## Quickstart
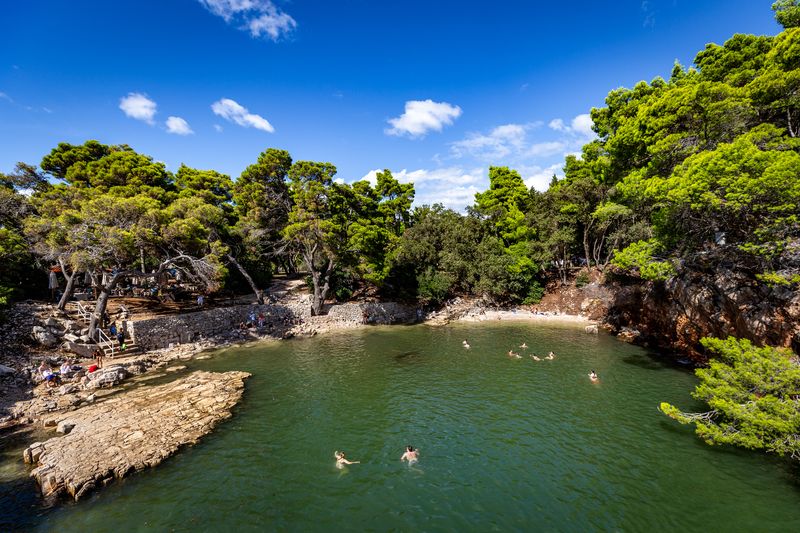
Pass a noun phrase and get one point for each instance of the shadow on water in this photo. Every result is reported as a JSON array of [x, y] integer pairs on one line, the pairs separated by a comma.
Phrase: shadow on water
[[652, 360], [407, 357], [19, 497]]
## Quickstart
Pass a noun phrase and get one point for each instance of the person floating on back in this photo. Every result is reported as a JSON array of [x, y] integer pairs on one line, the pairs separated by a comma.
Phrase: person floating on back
[[535, 357], [341, 461], [523, 346], [411, 455]]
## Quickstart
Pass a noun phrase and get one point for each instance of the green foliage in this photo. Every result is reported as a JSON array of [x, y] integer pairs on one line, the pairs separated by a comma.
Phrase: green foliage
[[787, 13], [641, 257], [434, 287], [752, 395], [775, 278], [582, 279]]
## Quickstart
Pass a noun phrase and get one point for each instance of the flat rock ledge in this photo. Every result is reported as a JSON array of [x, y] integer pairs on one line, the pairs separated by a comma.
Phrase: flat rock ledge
[[128, 432]]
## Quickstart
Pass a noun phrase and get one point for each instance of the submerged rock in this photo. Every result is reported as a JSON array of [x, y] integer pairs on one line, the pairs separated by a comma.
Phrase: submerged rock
[[132, 431]]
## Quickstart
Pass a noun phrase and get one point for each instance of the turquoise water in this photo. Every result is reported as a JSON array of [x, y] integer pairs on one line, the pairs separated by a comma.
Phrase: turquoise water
[[505, 444]]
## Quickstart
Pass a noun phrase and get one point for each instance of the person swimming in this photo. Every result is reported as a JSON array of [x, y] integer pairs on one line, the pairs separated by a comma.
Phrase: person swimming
[[465, 344], [341, 460], [551, 355], [410, 455], [523, 346], [512, 353], [534, 357], [593, 376]]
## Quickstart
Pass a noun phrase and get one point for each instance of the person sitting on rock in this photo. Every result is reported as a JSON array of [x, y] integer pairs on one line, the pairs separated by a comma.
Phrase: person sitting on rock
[[66, 369], [48, 375]]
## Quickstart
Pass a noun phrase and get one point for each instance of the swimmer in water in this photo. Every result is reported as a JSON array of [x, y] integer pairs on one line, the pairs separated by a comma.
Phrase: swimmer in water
[[465, 344], [512, 353], [551, 355], [341, 461], [411, 455], [523, 346], [535, 358], [593, 376]]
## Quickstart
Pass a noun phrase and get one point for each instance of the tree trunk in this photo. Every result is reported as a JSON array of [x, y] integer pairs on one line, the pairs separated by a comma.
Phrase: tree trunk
[[70, 285], [102, 302], [259, 294], [586, 252], [320, 287]]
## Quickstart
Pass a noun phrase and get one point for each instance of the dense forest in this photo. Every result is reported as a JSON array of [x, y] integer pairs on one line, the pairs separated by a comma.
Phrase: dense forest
[[705, 162]]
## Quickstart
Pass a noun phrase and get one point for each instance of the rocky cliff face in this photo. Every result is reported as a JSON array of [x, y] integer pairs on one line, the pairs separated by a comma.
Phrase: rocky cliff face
[[706, 298]]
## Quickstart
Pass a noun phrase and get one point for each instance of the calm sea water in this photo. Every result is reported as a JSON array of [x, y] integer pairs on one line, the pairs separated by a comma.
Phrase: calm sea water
[[505, 445]]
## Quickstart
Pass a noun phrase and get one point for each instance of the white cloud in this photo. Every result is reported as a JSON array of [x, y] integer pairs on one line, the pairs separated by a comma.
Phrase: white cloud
[[4, 96], [178, 126], [258, 17], [138, 106], [580, 126], [218, 128], [453, 187], [557, 124], [234, 112], [422, 116], [539, 177], [545, 149], [501, 142]]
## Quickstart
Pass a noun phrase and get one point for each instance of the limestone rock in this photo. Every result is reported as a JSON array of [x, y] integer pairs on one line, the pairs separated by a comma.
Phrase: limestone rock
[[128, 432], [65, 426], [45, 338], [106, 377]]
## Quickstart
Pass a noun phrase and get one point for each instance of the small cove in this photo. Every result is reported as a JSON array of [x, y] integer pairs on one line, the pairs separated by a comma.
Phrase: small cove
[[505, 444]]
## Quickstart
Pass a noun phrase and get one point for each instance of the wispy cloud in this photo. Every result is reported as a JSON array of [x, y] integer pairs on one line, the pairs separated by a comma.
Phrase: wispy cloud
[[4, 96], [178, 126], [422, 116], [218, 128], [139, 107], [499, 143], [234, 112], [580, 126], [649, 14], [261, 18]]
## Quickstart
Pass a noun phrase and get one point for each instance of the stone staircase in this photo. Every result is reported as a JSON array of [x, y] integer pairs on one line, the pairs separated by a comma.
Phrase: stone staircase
[[111, 347]]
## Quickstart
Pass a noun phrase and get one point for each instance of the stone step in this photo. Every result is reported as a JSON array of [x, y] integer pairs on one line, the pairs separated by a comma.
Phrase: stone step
[[130, 348]]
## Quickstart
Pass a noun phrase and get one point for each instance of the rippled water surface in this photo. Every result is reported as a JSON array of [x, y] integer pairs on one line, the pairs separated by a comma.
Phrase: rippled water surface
[[505, 444]]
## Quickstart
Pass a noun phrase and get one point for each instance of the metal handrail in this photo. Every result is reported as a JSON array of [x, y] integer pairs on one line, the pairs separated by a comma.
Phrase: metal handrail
[[103, 339], [83, 313]]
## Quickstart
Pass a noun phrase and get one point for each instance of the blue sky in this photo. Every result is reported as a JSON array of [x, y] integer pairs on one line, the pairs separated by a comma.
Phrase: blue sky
[[436, 91]]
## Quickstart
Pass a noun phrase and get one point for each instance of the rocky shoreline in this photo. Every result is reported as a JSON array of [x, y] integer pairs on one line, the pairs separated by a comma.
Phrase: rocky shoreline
[[111, 438]]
